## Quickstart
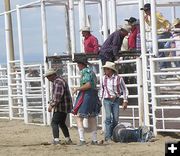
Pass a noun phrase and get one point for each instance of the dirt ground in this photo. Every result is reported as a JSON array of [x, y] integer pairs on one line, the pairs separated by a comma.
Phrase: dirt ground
[[18, 139]]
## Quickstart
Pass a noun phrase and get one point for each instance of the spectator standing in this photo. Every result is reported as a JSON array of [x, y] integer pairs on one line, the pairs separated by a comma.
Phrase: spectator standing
[[111, 46], [134, 40], [61, 104], [112, 87], [163, 29], [91, 45]]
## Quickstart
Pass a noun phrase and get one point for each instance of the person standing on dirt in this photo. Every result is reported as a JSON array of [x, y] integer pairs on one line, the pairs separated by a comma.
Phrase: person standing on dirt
[[61, 104], [111, 89], [87, 101]]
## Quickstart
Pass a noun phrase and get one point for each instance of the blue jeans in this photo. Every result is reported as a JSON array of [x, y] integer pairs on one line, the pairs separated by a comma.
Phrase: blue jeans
[[112, 116]]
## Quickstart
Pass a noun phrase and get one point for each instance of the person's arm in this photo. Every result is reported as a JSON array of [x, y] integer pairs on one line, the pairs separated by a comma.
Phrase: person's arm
[[102, 89], [116, 43], [95, 45], [125, 93], [57, 94], [84, 87], [147, 20]]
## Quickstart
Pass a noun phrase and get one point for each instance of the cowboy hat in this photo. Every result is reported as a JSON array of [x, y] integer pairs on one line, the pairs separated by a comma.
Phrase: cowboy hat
[[86, 28], [49, 72], [110, 65], [147, 6], [176, 21], [126, 27], [131, 20], [82, 60]]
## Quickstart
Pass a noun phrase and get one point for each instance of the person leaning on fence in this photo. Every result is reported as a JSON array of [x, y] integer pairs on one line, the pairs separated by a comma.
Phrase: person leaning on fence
[[112, 87], [87, 101], [61, 104], [134, 40], [110, 48], [91, 45], [163, 29]]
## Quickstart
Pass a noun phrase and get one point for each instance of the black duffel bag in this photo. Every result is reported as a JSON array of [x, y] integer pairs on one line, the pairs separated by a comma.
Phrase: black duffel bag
[[123, 134]]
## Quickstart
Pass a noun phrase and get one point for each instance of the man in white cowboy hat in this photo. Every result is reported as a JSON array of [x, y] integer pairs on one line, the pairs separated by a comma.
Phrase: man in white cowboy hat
[[90, 41], [111, 89], [61, 104], [111, 46]]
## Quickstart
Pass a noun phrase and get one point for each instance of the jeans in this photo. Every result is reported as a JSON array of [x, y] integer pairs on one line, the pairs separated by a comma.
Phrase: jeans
[[112, 116], [59, 120], [161, 45]]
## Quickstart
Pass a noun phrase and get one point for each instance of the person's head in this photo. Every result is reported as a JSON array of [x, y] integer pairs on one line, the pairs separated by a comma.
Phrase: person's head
[[50, 74], [110, 68], [147, 8], [85, 31], [176, 23], [131, 21], [81, 62], [125, 29]]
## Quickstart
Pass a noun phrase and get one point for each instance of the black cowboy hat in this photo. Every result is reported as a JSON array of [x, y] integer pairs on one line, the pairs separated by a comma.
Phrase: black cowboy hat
[[147, 6], [82, 60], [131, 20]]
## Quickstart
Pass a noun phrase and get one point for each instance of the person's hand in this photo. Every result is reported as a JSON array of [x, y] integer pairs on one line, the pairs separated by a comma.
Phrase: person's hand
[[74, 91], [50, 108], [124, 105]]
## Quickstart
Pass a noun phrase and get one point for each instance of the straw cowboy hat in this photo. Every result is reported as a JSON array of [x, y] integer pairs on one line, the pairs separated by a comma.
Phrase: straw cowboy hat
[[126, 27], [176, 21], [110, 65], [49, 72], [86, 28], [82, 60]]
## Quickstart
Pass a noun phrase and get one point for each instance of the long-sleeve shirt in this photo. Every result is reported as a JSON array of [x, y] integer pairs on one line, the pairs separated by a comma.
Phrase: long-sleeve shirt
[[61, 96], [91, 44], [113, 86], [162, 23], [112, 45]]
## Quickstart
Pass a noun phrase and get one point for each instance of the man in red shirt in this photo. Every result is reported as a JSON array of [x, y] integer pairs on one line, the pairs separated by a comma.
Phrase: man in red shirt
[[134, 36], [90, 42]]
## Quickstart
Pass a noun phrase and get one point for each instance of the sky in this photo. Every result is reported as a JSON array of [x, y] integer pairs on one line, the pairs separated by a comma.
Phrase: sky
[[31, 27]]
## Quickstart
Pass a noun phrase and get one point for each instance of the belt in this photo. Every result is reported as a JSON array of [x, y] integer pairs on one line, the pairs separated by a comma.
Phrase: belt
[[111, 99]]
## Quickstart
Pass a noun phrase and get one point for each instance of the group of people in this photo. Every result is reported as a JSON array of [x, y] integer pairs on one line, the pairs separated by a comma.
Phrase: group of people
[[108, 51], [88, 103], [165, 30], [127, 37]]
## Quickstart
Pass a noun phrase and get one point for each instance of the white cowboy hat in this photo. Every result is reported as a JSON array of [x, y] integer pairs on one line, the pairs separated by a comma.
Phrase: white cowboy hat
[[110, 65], [85, 29], [126, 27], [49, 72]]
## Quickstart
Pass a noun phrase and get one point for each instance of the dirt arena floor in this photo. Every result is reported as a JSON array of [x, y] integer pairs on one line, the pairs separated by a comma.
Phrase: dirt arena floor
[[18, 139]]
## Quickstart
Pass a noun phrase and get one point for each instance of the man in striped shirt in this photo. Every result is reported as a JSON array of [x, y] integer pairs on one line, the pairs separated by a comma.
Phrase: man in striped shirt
[[61, 104], [112, 88]]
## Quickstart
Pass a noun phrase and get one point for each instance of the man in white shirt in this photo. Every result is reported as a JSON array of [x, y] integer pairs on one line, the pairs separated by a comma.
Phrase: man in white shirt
[[112, 87]]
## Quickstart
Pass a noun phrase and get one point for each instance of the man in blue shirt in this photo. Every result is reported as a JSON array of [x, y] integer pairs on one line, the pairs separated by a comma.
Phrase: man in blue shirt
[[110, 48]]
